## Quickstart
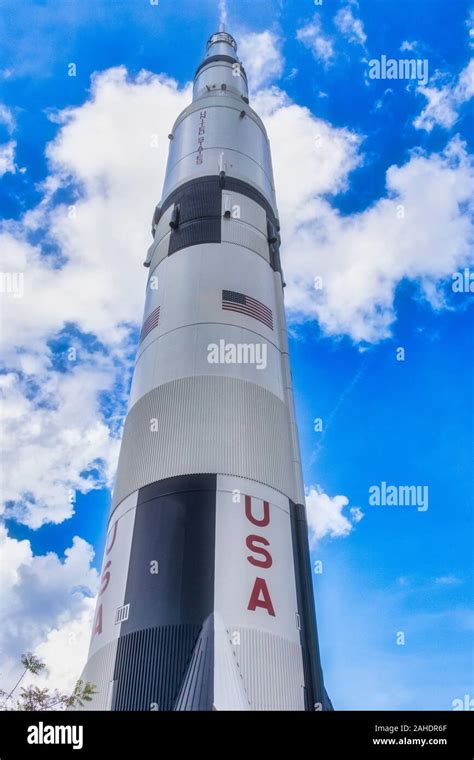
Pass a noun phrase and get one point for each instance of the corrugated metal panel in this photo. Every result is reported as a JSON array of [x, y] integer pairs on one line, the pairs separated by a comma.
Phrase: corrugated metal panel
[[184, 352], [216, 74], [315, 692], [194, 233], [196, 692], [150, 666], [100, 672], [296, 458], [220, 55], [238, 165], [229, 689], [272, 670], [223, 130], [242, 234], [221, 99], [160, 252], [251, 212], [206, 425], [163, 227]]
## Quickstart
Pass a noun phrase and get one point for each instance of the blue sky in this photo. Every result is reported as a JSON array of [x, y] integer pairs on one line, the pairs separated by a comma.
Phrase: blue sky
[[404, 422]]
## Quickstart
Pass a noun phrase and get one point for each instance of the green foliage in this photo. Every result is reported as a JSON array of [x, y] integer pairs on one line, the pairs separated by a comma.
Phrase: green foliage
[[32, 663], [34, 698]]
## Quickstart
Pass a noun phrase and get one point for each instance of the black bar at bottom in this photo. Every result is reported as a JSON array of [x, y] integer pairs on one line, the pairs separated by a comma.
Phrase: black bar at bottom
[[322, 734]]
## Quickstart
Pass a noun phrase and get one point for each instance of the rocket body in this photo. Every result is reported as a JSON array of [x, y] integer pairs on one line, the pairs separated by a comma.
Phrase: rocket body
[[205, 600]]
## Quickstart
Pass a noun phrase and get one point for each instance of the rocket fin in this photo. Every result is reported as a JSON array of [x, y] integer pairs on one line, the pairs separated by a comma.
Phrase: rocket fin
[[196, 689], [229, 688]]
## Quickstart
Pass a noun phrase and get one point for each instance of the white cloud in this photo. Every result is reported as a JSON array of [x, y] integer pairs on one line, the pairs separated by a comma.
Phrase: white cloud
[[448, 580], [322, 44], [316, 161], [325, 515], [7, 149], [444, 102], [313, 37], [407, 45], [222, 12], [351, 27], [52, 432], [7, 118], [65, 648], [403, 581], [470, 26], [421, 235], [7, 158], [104, 148], [426, 586], [356, 514], [261, 56], [48, 606]]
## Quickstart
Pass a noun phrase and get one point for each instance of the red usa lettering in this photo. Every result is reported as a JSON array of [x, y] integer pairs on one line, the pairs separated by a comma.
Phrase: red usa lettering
[[104, 580], [260, 595]]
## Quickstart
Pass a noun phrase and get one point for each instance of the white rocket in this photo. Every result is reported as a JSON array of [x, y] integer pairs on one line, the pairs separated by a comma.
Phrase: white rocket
[[206, 597]]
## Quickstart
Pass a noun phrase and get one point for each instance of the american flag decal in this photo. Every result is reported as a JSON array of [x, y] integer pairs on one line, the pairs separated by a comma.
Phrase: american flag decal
[[150, 323], [232, 301]]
